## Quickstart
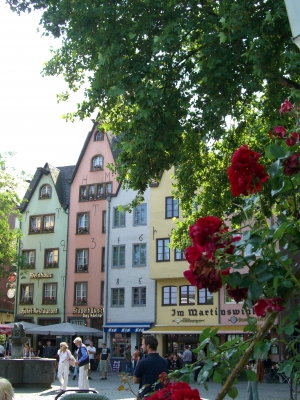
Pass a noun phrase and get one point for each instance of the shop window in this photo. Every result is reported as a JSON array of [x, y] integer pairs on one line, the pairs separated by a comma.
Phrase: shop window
[[51, 258], [117, 297], [26, 294], [172, 208], [45, 192], [187, 295], [140, 215], [205, 297], [179, 255], [119, 256], [169, 296], [29, 258], [83, 223], [119, 218], [120, 341], [162, 250], [80, 294], [139, 296], [139, 255], [50, 293], [82, 260]]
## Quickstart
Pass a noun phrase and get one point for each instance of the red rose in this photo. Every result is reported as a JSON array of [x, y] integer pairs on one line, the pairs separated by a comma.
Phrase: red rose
[[237, 294], [278, 132], [291, 165], [204, 228], [286, 106], [293, 139], [267, 305], [245, 173]]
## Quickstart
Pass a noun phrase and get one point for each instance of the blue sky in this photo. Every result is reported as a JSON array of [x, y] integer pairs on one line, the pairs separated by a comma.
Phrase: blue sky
[[30, 118]]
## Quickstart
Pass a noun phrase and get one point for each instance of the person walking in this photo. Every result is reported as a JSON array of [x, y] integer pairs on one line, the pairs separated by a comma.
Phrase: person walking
[[104, 360], [91, 351], [83, 363], [63, 365], [252, 388], [127, 356], [187, 356], [148, 369]]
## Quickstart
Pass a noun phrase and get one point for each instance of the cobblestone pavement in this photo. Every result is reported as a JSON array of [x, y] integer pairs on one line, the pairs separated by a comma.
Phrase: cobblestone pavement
[[108, 388]]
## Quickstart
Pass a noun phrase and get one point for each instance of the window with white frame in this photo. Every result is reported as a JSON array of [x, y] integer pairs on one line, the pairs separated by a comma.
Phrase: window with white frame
[[48, 225], [82, 193], [35, 224], [26, 294], [119, 256], [169, 296], [108, 188], [187, 295], [45, 192], [51, 258], [140, 215], [162, 250], [80, 294], [82, 260], [99, 136], [139, 296], [29, 258], [205, 297], [50, 293], [172, 208], [231, 337], [83, 223], [139, 255], [92, 192], [117, 297], [97, 163], [179, 255], [119, 218], [41, 224]]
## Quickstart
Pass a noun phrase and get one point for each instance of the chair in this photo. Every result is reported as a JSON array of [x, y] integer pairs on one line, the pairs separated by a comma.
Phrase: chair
[[271, 375]]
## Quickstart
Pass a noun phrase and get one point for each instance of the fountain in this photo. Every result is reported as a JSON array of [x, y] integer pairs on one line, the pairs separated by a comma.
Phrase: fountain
[[22, 371]]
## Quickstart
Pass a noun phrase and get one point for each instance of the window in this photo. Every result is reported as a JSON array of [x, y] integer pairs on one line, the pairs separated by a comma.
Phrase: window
[[205, 297], [187, 295], [119, 256], [50, 293], [26, 294], [82, 260], [102, 293], [82, 193], [169, 296], [103, 260], [99, 136], [117, 297], [80, 294], [162, 250], [108, 188], [97, 163], [172, 209], [45, 192], [119, 218], [103, 221], [139, 296], [140, 215], [29, 258], [229, 300], [234, 336], [139, 255], [51, 258], [83, 223], [91, 192], [179, 255], [98, 191], [42, 224]]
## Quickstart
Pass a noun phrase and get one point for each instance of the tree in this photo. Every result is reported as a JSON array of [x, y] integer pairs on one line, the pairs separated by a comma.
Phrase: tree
[[166, 74], [9, 202]]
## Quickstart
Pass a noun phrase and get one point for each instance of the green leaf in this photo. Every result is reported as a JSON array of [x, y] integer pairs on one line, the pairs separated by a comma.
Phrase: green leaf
[[255, 291], [275, 167], [276, 151], [289, 330], [234, 279], [222, 37], [233, 392], [265, 277], [280, 230]]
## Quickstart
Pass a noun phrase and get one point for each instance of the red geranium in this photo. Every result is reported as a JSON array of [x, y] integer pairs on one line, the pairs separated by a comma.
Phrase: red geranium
[[291, 165], [293, 139], [238, 294], [245, 174], [286, 106], [176, 391], [264, 306]]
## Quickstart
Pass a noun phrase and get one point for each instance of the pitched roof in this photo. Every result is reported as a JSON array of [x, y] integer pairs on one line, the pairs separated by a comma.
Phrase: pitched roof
[[61, 177]]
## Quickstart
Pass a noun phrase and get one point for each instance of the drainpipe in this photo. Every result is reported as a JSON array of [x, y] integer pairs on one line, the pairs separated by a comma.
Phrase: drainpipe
[[106, 262], [18, 278], [65, 208]]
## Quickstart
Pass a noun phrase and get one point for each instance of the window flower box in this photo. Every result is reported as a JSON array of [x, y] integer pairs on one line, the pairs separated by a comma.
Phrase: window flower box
[[30, 265], [97, 166], [83, 230], [35, 230], [82, 268], [28, 300], [53, 264], [83, 197], [91, 197], [48, 229], [80, 301], [49, 300], [45, 196]]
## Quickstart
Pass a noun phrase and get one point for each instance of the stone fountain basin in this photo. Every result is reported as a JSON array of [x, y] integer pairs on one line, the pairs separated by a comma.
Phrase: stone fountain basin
[[30, 372]]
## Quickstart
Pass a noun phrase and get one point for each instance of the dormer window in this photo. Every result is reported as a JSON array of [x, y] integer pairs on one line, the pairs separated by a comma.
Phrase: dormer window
[[45, 192], [97, 163], [99, 136]]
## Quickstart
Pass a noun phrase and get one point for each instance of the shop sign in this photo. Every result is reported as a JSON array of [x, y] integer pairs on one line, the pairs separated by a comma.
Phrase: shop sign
[[124, 330], [39, 311], [89, 312], [41, 275]]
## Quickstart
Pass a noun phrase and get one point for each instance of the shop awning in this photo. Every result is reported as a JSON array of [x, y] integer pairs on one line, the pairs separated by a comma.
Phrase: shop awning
[[128, 327], [194, 330]]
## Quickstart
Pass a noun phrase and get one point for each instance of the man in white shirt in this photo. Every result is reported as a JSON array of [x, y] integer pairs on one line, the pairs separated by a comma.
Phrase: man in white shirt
[[91, 352]]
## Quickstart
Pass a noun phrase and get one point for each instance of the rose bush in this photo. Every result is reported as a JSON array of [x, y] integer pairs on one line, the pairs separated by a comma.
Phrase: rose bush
[[266, 249]]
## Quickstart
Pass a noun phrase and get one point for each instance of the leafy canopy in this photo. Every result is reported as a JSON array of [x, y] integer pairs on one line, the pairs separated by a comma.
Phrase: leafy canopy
[[166, 74]]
